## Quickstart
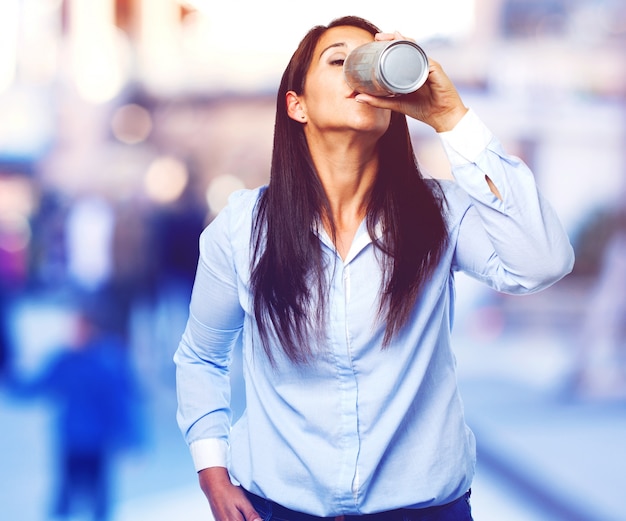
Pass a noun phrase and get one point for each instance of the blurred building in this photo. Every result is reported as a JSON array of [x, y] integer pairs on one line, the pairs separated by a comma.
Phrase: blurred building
[[160, 108]]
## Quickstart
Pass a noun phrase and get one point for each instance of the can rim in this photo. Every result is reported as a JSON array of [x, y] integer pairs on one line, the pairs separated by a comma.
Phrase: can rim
[[413, 86]]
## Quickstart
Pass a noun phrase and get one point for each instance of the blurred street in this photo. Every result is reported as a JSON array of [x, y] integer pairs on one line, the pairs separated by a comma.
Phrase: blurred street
[[544, 454]]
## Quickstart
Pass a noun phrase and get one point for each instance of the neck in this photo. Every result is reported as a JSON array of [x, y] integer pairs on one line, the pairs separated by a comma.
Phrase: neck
[[347, 169]]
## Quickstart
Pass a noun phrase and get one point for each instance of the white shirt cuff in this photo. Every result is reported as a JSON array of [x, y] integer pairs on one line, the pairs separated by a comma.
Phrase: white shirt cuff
[[466, 141], [210, 452]]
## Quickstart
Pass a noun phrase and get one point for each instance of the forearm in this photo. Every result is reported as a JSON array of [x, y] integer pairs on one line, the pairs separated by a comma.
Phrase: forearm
[[203, 383], [530, 248]]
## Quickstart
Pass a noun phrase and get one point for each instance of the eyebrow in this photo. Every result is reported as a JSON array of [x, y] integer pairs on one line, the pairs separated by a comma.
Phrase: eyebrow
[[338, 44]]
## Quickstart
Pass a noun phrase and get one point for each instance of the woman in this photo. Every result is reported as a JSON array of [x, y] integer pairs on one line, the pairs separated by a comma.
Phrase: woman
[[338, 280]]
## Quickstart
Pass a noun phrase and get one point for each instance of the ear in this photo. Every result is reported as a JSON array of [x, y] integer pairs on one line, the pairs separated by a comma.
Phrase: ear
[[295, 107]]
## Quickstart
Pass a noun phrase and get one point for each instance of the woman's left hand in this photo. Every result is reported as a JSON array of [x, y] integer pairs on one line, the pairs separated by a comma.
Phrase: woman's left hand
[[436, 103]]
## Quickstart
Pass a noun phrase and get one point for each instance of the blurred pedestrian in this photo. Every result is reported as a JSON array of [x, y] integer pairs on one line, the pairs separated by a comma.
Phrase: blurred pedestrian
[[93, 392], [5, 349], [600, 364], [338, 280]]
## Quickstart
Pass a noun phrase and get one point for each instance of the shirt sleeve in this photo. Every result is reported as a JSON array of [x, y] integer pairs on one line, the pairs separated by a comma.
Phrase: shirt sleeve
[[516, 243], [203, 356]]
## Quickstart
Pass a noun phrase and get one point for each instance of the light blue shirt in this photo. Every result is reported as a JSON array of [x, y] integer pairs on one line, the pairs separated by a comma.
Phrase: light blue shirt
[[361, 429]]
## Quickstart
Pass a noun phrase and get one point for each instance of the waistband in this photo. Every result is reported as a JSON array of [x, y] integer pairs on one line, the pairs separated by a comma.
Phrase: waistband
[[275, 510]]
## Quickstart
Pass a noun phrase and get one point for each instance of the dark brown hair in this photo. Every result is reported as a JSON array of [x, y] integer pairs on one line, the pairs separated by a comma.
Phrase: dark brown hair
[[288, 282]]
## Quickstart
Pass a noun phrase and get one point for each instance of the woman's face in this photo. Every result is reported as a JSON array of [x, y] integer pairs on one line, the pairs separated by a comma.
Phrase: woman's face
[[328, 103]]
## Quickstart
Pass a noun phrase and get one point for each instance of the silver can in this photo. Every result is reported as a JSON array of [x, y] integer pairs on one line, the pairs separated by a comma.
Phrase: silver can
[[386, 68]]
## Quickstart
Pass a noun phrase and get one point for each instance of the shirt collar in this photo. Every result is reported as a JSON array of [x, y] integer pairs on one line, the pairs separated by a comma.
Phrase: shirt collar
[[361, 238]]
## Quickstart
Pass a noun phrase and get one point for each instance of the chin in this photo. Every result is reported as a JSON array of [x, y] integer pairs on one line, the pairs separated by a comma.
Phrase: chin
[[374, 125], [374, 119]]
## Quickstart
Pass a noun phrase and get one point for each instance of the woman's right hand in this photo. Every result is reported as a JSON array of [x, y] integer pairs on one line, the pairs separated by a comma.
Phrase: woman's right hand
[[437, 103], [228, 502]]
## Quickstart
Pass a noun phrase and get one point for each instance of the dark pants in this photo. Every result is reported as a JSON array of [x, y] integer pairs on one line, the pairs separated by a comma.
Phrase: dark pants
[[458, 510], [83, 480]]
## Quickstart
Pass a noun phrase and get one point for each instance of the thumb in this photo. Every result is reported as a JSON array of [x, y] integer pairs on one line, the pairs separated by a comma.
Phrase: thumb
[[381, 102], [361, 97]]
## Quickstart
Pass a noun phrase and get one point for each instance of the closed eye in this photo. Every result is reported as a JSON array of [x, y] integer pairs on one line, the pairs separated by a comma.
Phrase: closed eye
[[338, 61]]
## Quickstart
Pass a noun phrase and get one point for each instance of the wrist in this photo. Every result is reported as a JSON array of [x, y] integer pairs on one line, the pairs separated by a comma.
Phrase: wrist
[[212, 479], [446, 121]]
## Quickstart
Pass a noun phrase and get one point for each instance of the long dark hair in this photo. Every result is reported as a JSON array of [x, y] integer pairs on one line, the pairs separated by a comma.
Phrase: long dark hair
[[288, 282]]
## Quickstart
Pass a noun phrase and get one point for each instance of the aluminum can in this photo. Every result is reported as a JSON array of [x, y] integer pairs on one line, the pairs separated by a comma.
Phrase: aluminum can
[[386, 68]]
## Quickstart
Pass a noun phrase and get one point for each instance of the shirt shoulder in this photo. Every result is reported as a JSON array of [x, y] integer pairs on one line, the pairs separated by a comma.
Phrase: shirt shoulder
[[242, 203], [230, 231], [238, 211]]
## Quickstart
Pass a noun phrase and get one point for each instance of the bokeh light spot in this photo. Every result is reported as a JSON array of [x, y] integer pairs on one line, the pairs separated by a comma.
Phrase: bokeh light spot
[[131, 124], [166, 179], [220, 189]]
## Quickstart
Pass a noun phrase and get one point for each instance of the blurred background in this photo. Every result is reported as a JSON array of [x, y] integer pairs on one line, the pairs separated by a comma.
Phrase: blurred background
[[125, 125]]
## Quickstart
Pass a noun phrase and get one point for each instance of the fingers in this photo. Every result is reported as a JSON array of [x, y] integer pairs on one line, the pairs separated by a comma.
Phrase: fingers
[[385, 36], [251, 515], [235, 508], [396, 35]]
